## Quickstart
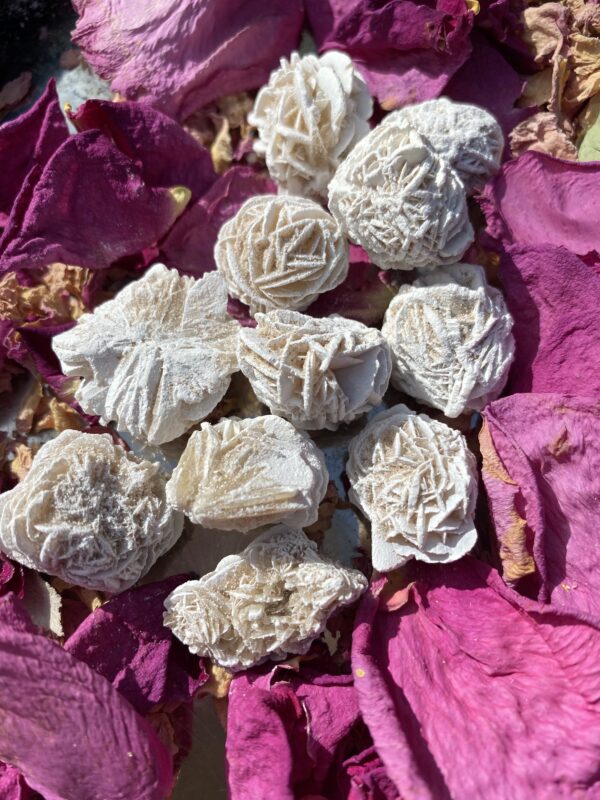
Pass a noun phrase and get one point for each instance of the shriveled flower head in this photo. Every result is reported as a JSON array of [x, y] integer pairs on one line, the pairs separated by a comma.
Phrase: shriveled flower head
[[281, 252], [241, 474], [317, 373], [309, 116], [271, 600], [88, 512], [416, 480], [451, 341], [157, 358], [396, 198], [465, 136]]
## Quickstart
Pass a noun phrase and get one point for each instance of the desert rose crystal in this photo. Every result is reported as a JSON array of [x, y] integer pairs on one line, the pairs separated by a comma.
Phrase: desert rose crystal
[[450, 337], [241, 474], [88, 512], [316, 373], [156, 359], [309, 116], [466, 136], [281, 252], [271, 600], [416, 480], [402, 203]]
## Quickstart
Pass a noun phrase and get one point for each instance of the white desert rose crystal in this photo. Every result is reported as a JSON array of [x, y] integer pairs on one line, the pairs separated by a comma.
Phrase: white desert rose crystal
[[402, 203], [90, 513], [466, 136], [309, 116], [416, 480], [271, 600], [316, 373], [281, 252], [241, 474], [451, 340], [157, 358]]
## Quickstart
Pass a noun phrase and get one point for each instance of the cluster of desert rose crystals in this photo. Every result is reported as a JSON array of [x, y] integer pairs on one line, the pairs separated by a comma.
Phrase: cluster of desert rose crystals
[[158, 358]]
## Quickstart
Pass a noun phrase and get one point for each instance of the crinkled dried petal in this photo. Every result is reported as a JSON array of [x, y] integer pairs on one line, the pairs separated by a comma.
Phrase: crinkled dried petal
[[541, 469], [73, 209], [317, 373], [181, 56], [281, 252], [399, 201], [416, 480], [543, 134], [406, 51], [553, 297], [158, 357], [451, 341], [89, 513], [241, 474], [66, 728], [272, 599], [27, 142], [125, 641], [309, 116], [465, 136], [471, 691], [521, 203]]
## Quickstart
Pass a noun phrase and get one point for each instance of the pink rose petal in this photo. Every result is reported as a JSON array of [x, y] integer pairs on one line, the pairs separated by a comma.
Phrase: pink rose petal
[[179, 56], [541, 471], [66, 729], [471, 691]]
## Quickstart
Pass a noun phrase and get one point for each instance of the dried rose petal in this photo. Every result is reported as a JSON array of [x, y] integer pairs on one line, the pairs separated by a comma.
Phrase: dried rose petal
[[553, 297], [73, 209], [541, 468], [538, 199], [406, 51], [470, 690], [181, 56], [29, 141], [126, 642], [65, 727]]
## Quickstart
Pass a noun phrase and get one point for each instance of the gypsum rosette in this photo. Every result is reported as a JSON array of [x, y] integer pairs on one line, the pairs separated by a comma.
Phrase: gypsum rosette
[[281, 252], [271, 600], [157, 358], [241, 474], [465, 136], [316, 373], [451, 340], [402, 203], [90, 513], [309, 116], [416, 480]]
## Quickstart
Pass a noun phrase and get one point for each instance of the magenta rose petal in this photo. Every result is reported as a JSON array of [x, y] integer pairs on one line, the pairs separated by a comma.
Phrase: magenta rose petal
[[179, 56], [166, 154], [406, 51], [89, 207], [306, 727], [553, 297], [126, 642], [13, 785], [470, 690], [541, 469], [65, 727], [29, 141], [538, 199], [189, 244]]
